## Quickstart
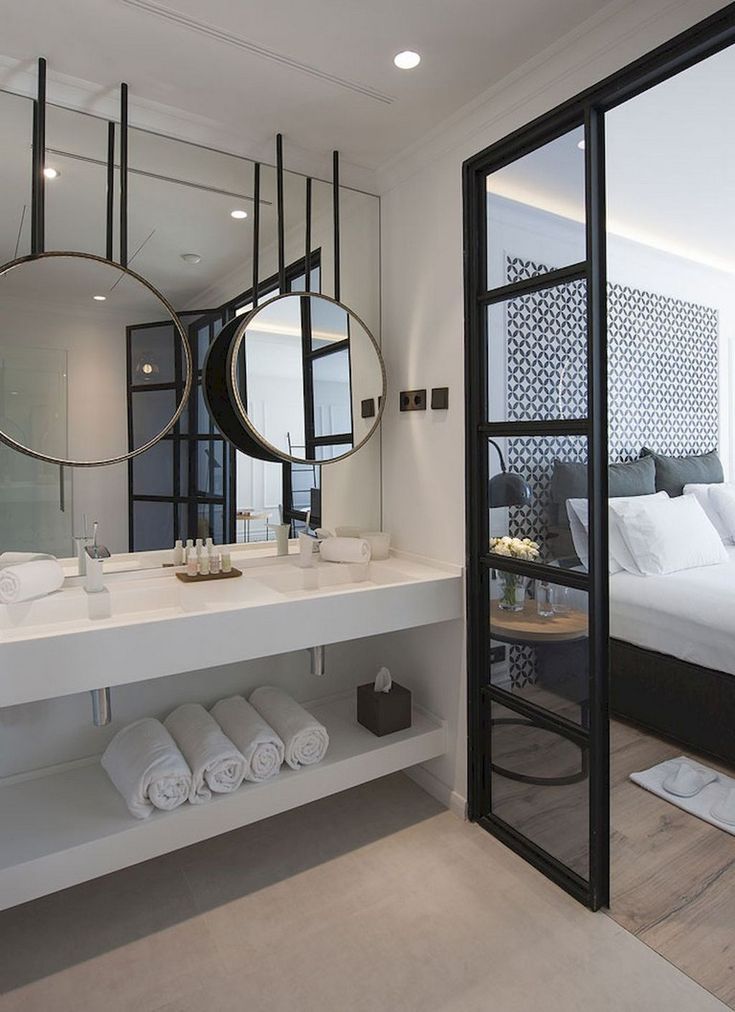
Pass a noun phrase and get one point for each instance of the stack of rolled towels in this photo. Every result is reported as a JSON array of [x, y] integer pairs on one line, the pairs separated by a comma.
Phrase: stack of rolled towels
[[25, 575], [194, 753]]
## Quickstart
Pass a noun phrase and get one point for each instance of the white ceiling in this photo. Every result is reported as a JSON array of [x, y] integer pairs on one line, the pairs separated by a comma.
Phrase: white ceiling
[[670, 167], [320, 72]]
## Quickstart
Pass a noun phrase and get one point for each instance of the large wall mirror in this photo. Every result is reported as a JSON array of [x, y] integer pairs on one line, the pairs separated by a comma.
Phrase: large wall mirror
[[185, 240]]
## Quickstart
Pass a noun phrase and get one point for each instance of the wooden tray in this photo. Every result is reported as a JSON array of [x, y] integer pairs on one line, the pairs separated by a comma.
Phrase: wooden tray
[[185, 578]]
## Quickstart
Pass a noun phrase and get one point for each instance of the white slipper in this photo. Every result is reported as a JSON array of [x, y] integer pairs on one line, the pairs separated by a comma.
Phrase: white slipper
[[686, 781], [724, 809]]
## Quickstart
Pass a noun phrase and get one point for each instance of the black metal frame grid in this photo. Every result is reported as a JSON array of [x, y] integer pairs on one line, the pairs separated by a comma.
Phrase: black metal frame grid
[[194, 433], [586, 109]]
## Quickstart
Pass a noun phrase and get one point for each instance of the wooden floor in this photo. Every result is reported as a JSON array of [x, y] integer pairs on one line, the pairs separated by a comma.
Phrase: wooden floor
[[673, 875]]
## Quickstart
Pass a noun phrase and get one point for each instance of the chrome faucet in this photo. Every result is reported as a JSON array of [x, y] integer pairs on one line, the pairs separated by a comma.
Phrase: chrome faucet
[[81, 541], [94, 554]]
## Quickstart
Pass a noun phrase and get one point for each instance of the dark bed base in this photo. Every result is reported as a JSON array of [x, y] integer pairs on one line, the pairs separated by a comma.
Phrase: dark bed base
[[694, 706]]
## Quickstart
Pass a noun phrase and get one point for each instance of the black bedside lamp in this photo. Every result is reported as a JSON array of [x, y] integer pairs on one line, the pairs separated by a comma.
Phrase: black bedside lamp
[[506, 488]]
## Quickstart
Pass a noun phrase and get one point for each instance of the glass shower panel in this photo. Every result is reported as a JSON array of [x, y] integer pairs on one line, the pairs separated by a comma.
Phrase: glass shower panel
[[33, 407]]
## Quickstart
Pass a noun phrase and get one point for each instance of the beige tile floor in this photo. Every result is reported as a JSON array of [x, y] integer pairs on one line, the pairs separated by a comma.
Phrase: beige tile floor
[[375, 899]]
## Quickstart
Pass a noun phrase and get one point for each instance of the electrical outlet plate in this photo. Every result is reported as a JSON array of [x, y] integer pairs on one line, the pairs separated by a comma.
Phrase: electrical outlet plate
[[413, 400]]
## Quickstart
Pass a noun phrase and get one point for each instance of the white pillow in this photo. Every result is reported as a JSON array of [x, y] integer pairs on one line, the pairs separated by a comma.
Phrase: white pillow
[[703, 494], [668, 535], [722, 499], [620, 557]]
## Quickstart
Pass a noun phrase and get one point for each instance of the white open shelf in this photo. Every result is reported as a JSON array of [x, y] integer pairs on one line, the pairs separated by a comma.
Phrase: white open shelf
[[71, 825]]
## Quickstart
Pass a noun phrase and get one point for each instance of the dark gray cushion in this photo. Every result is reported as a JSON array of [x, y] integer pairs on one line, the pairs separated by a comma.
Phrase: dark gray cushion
[[569, 481], [673, 473]]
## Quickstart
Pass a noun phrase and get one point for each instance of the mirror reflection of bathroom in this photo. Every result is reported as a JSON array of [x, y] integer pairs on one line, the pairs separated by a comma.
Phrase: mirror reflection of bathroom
[[193, 483], [314, 357]]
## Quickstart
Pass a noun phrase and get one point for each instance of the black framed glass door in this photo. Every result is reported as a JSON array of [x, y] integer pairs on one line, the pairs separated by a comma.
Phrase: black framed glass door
[[536, 427], [536, 438]]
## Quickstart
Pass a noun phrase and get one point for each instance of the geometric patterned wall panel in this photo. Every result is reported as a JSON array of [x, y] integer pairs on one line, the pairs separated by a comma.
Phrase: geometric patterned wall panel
[[662, 386], [663, 374]]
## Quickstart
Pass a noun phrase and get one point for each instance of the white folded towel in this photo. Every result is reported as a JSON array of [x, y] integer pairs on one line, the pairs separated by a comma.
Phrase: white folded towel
[[29, 580], [216, 765], [345, 550], [304, 738], [145, 764], [15, 558], [260, 745]]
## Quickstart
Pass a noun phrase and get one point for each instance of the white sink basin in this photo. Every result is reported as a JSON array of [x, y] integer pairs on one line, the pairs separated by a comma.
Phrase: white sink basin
[[135, 600], [322, 577]]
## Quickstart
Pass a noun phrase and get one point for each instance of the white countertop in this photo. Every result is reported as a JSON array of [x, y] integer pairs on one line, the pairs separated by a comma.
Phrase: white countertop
[[147, 623]]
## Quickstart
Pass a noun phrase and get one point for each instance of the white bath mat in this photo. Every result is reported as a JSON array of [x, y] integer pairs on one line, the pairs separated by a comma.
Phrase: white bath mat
[[701, 805]]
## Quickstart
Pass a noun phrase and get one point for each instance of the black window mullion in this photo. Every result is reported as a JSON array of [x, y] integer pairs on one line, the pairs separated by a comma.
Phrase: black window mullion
[[597, 477], [577, 579], [540, 427], [537, 283]]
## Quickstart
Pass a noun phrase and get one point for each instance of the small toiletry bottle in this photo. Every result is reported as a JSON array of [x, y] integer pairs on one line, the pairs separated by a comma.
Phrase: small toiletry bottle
[[215, 563], [209, 545], [192, 566], [226, 562], [199, 547], [204, 564], [178, 553]]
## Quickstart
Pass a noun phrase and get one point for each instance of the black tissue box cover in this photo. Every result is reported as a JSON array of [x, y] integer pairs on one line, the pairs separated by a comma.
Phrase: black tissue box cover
[[384, 712]]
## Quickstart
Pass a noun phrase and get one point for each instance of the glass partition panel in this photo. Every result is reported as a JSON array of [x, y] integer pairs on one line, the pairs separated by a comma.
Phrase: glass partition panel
[[539, 784], [532, 479], [535, 211], [537, 355], [539, 643]]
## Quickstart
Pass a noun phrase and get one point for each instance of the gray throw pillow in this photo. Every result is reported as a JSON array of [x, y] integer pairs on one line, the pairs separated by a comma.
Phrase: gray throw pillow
[[569, 481], [673, 473]]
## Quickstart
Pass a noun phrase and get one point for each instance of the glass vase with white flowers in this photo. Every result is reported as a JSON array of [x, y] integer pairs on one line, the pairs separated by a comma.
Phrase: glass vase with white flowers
[[514, 586]]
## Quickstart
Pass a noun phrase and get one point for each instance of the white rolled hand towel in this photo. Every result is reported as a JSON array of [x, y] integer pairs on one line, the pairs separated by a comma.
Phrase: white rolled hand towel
[[216, 765], [29, 580], [345, 550], [305, 739], [145, 764], [260, 745], [15, 558]]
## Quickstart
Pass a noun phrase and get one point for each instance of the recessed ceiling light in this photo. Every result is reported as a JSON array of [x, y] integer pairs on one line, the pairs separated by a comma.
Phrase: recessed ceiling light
[[238, 214], [407, 60], [191, 258], [99, 298], [580, 145], [51, 173]]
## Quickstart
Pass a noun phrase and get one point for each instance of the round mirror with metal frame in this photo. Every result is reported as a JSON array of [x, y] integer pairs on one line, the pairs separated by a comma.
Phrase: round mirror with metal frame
[[305, 378], [82, 341]]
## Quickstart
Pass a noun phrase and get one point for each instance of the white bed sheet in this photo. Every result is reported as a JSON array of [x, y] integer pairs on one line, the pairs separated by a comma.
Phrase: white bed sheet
[[689, 615]]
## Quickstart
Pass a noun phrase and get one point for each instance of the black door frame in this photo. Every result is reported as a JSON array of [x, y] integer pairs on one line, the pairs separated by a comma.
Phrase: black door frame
[[589, 107]]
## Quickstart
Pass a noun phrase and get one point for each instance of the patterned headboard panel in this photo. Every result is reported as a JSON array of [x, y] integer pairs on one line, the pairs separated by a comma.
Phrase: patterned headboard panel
[[662, 377]]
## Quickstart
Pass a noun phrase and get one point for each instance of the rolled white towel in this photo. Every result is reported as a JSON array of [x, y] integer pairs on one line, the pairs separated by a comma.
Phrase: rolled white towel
[[305, 739], [216, 765], [345, 550], [15, 558], [260, 745], [29, 580], [145, 764]]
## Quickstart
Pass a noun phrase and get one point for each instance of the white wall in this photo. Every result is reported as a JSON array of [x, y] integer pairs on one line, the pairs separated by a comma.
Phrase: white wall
[[423, 319]]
